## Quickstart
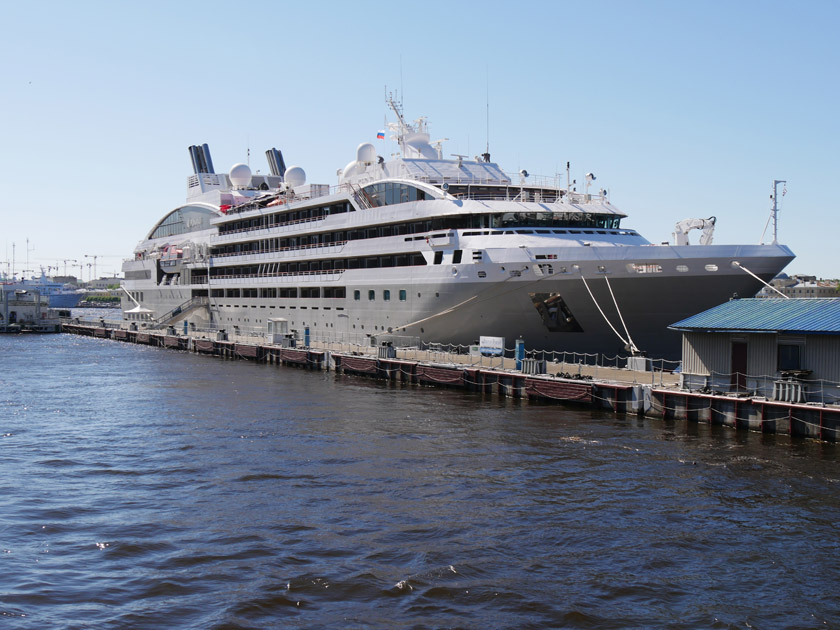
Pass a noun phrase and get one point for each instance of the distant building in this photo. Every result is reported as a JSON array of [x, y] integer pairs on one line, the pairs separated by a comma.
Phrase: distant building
[[801, 286], [103, 283], [783, 349]]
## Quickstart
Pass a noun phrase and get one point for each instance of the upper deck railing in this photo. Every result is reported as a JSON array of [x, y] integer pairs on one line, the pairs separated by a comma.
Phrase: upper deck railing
[[537, 189]]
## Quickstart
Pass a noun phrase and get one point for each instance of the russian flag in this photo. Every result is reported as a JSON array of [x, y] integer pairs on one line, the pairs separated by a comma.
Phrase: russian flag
[[380, 135]]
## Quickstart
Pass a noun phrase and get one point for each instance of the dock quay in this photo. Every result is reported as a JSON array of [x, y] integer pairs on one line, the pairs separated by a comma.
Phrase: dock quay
[[648, 393]]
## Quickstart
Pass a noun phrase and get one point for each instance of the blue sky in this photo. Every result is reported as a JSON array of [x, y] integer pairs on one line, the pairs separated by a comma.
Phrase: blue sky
[[681, 109]]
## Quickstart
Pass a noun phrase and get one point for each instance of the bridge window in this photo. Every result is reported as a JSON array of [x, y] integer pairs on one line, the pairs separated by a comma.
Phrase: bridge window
[[389, 193], [183, 220]]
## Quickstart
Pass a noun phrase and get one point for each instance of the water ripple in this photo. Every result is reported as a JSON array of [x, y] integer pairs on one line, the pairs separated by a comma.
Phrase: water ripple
[[190, 492]]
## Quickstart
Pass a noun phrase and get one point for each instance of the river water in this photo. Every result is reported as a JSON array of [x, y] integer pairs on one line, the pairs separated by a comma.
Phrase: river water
[[148, 488]]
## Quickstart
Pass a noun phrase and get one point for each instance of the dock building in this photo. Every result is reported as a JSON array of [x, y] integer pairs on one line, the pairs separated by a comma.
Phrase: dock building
[[781, 349]]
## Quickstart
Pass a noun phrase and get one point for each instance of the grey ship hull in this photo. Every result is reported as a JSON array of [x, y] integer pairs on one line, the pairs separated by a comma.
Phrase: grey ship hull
[[457, 304]]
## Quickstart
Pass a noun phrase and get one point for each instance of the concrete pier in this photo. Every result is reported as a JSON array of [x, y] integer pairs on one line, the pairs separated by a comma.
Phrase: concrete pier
[[650, 394]]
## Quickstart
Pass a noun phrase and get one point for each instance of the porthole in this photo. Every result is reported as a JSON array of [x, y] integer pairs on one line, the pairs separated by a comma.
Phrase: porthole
[[682, 268], [711, 267]]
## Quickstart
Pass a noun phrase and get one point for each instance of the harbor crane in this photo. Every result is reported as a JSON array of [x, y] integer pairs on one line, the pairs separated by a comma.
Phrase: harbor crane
[[95, 256]]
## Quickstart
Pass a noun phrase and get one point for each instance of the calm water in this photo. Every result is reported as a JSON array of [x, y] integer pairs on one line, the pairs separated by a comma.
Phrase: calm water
[[146, 488]]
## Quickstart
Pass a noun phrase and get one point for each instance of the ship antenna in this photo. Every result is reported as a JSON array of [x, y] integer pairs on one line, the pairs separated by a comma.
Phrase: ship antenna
[[775, 213], [396, 107], [486, 155]]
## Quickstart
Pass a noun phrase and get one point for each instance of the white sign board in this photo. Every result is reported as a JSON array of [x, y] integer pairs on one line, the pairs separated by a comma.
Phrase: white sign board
[[492, 346]]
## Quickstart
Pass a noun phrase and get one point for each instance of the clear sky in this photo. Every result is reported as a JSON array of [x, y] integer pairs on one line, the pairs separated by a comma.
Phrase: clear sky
[[681, 109]]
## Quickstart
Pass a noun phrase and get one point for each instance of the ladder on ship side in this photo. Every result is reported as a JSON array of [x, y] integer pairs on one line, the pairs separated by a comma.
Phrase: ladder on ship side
[[361, 197], [181, 310]]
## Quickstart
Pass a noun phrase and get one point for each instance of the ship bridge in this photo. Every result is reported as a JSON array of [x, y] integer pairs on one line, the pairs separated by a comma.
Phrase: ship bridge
[[438, 172]]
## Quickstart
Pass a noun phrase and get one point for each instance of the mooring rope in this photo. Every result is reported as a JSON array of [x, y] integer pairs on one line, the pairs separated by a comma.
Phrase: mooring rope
[[633, 347], [770, 286], [598, 306]]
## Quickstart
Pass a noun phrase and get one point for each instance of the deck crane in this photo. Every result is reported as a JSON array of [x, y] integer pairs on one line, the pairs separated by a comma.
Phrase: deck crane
[[683, 227]]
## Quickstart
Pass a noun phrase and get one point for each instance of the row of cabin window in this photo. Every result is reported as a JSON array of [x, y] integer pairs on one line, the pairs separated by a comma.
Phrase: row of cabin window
[[326, 238], [284, 218], [269, 269], [456, 222], [275, 292], [303, 292], [386, 295]]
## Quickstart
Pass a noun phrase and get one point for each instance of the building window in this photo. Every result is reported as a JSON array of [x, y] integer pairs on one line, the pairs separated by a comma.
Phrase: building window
[[386, 295], [789, 356], [402, 295]]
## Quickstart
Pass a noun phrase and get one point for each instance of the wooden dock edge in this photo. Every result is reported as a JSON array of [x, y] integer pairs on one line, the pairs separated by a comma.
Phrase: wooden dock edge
[[815, 421]]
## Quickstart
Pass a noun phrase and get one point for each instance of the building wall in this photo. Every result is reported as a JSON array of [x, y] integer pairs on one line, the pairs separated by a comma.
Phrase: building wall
[[761, 354], [822, 356], [707, 360], [704, 353]]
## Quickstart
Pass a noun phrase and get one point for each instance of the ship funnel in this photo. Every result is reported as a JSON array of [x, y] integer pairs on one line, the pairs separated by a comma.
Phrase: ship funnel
[[207, 160], [194, 159], [201, 160], [275, 162]]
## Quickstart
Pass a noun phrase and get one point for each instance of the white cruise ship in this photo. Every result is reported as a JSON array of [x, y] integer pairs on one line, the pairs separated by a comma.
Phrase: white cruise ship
[[421, 248]]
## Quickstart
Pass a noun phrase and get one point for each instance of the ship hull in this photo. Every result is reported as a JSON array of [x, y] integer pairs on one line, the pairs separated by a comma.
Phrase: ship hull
[[603, 301], [65, 300]]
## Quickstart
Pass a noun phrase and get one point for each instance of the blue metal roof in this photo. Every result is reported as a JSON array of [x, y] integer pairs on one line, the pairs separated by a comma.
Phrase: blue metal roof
[[795, 315]]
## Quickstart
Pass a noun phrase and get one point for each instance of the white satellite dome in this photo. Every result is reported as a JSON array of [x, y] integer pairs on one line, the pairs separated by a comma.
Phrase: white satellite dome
[[350, 170], [240, 175], [366, 152], [295, 176]]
